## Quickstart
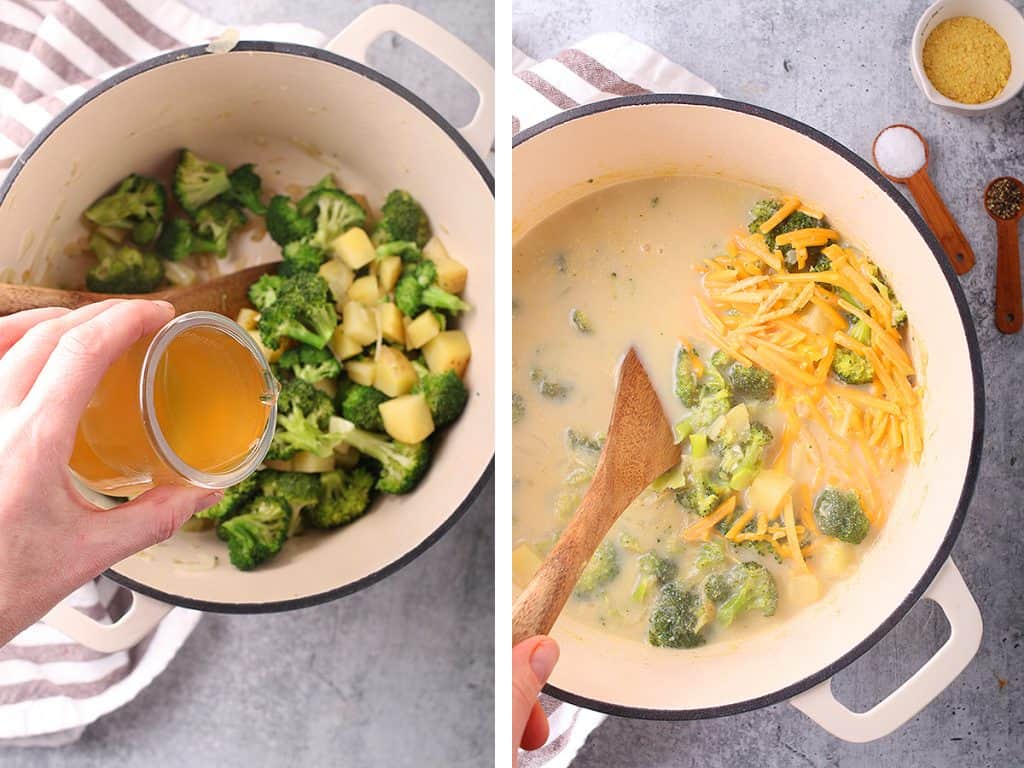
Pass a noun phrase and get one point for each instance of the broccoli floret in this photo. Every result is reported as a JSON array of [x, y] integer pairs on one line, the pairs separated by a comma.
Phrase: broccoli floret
[[518, 408], [216, 221], [746, 382], [285, 223], [580, 321], [245, 189], [417, 289], [258, 533], [335, 212], [300, 256], [710, 554], [445, 394], [402, 465], [653, 570], [309, 363], [715, 400], [765, 209], [744, 587], [583, 444], [687, 385], [838, 514], [264, 291], [699, 498], [852, 367], [303, 414], [402, 218], [198, 181], [175, 241], [679, 616], [549, 387], [233, 500], [360, 405], [821, 264], [599, 572], [301, 490], [302, 310], [741, 464], [408, 251], [344, 497], [123, 269], [138, 203]]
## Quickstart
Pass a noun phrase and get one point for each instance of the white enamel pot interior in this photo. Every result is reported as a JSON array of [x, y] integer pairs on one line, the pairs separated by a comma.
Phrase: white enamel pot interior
[[586, 149], [297, 113]]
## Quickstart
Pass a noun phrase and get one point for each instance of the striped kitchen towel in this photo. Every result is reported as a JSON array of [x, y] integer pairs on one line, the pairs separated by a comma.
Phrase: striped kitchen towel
[[600, 67], [51, 52]]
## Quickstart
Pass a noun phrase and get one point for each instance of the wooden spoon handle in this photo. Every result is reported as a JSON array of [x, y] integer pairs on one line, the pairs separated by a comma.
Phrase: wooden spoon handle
[[1009, 316], [540, 604], [941, 221], [16, 298]]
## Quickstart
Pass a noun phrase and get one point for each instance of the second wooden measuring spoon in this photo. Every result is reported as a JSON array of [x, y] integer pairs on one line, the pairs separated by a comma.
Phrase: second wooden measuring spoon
[[639, 447], [1004, 202], [901, 161]]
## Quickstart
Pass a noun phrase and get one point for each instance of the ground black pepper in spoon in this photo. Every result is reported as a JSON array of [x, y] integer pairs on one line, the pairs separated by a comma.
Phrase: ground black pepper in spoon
[[1004, 202]]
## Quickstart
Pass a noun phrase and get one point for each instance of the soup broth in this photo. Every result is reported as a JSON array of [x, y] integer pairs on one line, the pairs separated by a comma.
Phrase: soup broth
[[625, 266]]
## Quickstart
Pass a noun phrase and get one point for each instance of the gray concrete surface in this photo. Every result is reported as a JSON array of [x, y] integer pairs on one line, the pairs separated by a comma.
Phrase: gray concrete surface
[[400, 674], [843, 68]]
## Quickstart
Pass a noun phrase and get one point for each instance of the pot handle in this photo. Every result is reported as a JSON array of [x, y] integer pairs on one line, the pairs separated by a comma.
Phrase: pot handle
[[138, 621], [952, 594], [356, 38]]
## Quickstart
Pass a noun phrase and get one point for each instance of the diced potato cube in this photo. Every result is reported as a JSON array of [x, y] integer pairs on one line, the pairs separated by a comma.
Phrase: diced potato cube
[[768, 491], [270, 355], [448, 351], [248, 318], [339, 277], [327, 386], [421, 330], [394, 375], [525, 563], [361, 371], [803, 588], [310, 462], [280, 465], [451, 275], [407, 418], [835, 558], [391, 326], [365, 290], [388, 272], [343, 346], [435, 250], [359, 323], [354, 248]]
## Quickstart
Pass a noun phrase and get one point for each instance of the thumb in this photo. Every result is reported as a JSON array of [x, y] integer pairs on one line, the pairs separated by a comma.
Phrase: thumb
[[532, 663], [146, 520]]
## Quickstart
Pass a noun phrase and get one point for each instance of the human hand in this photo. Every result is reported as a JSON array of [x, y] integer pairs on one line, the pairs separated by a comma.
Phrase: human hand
[[51, 539], [532, 663]]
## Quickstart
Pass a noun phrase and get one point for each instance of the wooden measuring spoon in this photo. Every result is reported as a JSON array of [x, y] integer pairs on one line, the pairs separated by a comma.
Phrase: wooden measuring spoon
[[639, 447], [1009, 315], [932, 208], [225, 295]]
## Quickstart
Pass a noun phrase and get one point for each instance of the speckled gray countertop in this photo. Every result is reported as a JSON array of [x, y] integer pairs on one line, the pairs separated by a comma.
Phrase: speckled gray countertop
[[843, 67], [400, 674]]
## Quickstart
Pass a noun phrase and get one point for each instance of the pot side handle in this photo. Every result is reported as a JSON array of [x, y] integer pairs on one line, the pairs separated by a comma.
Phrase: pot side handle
[[354, 41], [952, 594], [138, 621]]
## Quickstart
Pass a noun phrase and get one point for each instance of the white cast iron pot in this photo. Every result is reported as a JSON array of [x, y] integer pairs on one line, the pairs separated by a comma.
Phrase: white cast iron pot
[[591, 147], [297, 112]]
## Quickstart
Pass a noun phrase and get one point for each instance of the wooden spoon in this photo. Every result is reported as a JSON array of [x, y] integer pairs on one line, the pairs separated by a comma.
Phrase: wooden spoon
[[932, 208], [225, 295], [639, 447], [1009, 315]]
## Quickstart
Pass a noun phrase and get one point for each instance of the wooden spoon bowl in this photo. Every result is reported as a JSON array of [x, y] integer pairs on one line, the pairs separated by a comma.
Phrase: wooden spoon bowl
[[639, 447], [225, 295], [1008, 312]]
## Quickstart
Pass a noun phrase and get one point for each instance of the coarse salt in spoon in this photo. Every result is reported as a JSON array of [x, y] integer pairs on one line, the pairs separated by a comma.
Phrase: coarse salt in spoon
[[902, 155], [640, 446], [1004, 202]]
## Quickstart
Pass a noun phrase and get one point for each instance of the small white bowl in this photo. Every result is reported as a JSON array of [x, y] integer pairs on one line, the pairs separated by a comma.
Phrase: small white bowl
[[1001, 16]]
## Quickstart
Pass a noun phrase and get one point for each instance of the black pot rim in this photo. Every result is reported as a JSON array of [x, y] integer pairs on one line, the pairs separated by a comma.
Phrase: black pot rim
[[970, 478], [402, 92]]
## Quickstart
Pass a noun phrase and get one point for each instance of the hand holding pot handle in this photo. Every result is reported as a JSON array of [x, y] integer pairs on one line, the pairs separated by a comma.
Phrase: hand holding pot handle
[[953, 596], [354, 41]]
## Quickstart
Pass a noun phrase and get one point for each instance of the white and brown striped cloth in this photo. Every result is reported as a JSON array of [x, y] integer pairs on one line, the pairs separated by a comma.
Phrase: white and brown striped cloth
[[51, 52], [598, 68]]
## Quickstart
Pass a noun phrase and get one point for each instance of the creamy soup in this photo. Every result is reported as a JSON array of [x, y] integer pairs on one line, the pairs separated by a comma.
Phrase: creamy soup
[[766, 475]]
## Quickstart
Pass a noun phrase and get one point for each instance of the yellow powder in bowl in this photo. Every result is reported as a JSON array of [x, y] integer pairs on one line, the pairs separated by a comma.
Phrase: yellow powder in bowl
[[966, 60]]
